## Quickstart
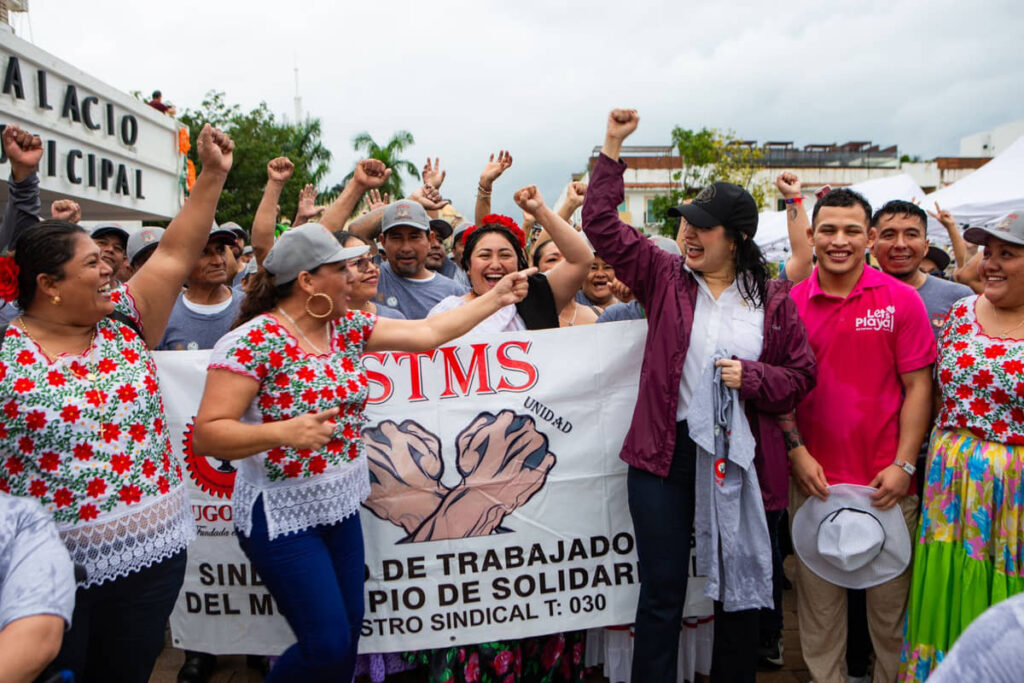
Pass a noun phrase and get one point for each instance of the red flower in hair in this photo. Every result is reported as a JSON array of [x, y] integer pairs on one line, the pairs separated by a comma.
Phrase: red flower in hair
[[499, 220], [8, 279]]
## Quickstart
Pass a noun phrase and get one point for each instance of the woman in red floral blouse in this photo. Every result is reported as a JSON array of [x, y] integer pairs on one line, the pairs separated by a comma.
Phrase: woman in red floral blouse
[[970, 546], [84, 431], [285, 395]]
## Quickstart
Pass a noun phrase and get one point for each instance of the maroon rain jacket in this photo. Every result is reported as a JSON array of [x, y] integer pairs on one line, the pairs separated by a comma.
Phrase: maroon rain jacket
[[772, 385]]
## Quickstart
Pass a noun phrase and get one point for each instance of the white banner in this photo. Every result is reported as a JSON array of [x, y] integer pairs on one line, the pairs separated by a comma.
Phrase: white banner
[[498, 507]]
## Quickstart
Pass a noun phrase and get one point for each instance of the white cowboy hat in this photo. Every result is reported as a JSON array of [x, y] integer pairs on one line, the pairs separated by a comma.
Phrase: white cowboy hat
[[849, 543]]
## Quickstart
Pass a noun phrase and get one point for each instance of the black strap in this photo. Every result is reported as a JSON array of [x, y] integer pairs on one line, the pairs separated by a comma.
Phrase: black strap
[[116, 315]]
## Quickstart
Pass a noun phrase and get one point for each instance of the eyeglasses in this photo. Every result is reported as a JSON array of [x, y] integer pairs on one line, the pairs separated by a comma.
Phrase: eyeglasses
[[363, 263]]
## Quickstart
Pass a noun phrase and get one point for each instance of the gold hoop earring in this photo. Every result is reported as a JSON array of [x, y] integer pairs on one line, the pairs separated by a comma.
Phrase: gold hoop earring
[[330, 303], [55, 300]]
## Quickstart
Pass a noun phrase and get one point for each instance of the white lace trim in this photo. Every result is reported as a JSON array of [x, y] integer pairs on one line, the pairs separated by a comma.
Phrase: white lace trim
[[291, 507], [145, 535]]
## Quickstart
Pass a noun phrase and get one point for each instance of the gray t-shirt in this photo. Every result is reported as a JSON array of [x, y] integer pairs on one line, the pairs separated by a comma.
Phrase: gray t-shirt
[[939, 296], [188, 330], [414, 298], [620, 311], [36, 573]]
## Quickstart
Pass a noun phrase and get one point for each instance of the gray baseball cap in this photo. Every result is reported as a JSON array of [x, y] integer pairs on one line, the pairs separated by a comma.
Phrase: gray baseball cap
[[141, 240], [107, 228], [461, 228], [305, 248], [1009, 228], [236, 229], [405, 213]]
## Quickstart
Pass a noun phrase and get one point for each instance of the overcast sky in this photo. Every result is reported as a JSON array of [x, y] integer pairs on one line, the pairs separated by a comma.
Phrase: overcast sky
[[537, 78]]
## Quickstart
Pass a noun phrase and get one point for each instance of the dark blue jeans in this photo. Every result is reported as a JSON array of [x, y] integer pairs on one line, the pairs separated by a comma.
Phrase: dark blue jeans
[[316, 578], [117, 630]]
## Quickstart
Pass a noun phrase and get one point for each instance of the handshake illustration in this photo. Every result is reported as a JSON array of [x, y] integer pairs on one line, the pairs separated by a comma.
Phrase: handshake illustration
[[502, 458]]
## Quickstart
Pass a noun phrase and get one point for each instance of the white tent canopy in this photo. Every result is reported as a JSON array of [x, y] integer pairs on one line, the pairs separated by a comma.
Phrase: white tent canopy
[[994, 190]]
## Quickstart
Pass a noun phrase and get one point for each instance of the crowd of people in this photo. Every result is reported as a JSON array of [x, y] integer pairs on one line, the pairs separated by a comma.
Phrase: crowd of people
[[878, 407]]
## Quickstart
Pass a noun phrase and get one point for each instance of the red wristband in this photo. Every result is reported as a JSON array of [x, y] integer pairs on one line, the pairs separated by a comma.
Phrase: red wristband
[[795, 200]]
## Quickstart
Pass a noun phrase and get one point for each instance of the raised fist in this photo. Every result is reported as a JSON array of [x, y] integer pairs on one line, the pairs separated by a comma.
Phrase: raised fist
[[505, 456], [280, 170], [66, 210], [216, 149], [371, 173], [576, 193], [529, 199], [788, 185], [405, 473], [622, 122], [494, 168], [24, 151]]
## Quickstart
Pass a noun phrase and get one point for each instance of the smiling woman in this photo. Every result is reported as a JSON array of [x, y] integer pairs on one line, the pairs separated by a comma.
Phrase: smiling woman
[[84, 430]]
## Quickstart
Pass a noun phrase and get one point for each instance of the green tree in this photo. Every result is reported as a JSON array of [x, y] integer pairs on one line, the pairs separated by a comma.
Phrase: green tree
[[709, 155], [390, 155], [259, 137]]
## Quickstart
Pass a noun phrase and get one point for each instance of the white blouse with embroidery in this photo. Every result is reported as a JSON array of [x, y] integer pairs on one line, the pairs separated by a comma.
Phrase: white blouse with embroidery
[[86, 436], [301, 488]]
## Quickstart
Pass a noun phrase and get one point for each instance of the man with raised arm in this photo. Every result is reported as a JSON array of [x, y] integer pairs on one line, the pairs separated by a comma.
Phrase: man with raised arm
[[864, 421]]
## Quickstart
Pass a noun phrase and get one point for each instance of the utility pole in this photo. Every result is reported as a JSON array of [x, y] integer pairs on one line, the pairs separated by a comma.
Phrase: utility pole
[[298, 98]]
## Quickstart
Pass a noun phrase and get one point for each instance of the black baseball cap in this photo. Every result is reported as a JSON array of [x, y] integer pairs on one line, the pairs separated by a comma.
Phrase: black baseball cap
[[938, 256], [442, 227], [720, 204]]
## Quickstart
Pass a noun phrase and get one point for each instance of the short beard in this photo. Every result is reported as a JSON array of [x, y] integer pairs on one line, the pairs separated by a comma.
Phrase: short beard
[[405, 272]]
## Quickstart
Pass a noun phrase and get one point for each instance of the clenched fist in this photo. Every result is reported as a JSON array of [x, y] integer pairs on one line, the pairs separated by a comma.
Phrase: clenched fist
[[622, 122]]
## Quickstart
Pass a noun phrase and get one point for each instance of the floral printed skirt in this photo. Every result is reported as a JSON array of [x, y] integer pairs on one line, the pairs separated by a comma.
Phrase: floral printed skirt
[[557, 658], [969, 547]]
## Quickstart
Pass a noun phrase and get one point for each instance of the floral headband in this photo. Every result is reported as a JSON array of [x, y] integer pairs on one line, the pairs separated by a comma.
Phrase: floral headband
[[8, 279], [499, 220]]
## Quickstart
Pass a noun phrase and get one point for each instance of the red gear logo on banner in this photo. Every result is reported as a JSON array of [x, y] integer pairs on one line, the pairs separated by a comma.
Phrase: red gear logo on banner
[[215, 477]]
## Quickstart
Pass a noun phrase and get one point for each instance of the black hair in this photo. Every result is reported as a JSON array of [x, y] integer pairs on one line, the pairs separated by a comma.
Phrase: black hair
[[44, 248], [475, 236], [344, 236], [537, 249], [842, 197], [900, 207], [156, 94], [751, 268]]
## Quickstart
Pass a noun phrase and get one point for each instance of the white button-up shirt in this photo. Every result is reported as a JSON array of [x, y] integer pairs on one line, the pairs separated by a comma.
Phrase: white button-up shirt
[[729, 324]]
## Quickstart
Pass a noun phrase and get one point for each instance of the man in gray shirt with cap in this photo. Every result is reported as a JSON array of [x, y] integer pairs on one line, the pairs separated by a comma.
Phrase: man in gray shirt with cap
[[405, 281]]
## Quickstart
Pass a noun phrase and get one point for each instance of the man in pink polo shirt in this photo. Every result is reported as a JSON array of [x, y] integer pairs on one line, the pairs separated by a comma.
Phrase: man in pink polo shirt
[[864, 421]]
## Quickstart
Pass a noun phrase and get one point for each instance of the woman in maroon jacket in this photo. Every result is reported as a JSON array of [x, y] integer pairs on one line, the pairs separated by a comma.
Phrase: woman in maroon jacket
[[720, 298]]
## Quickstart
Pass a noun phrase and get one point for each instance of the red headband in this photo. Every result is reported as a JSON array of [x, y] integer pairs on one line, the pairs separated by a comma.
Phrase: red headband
[[502, 221]]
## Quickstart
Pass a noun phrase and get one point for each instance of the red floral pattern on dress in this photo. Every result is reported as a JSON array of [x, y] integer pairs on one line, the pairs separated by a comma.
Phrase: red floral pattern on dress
[[981, 379], [78, 445], [293, 383]]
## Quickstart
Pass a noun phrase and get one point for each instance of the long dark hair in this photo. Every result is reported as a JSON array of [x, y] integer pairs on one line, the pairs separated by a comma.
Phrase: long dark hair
[[475, 236], [43, 248], [751, 268], [262, 295]]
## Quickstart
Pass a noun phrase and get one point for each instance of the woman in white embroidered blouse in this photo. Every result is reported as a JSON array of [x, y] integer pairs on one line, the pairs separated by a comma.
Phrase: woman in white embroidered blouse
[[84, 430], [285, 394]]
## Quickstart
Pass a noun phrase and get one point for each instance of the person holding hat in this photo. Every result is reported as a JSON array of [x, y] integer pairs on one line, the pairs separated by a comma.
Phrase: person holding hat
[[969, 546], [717, 296], [874, 347], [284, 396]]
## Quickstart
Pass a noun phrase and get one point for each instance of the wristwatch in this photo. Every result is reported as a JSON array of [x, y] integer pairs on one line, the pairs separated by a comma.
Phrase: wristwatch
[[905, 466]]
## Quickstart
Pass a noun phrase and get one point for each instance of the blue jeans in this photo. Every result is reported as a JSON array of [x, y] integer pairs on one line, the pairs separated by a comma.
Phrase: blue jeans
[[316, 578], [117, 630]]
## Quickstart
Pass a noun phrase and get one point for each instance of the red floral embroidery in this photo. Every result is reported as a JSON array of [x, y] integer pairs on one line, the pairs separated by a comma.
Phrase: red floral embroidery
[[120, 463], [127, 393], [23, 385], [106, 365], [49, 461], [35, 419], [70, 413], [965, 361], [111, 432], [62, 497], [148, 468], [96, 487], [55, 378], [87, 512], [130, 494], [137, 433], [37, 488], [83, 451]]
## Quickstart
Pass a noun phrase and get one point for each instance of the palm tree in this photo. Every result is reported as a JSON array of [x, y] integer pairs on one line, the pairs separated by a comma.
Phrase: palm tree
[[389, 154]]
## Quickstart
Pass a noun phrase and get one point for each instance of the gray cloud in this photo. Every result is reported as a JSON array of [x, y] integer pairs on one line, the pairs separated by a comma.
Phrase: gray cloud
[[538, 78]]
